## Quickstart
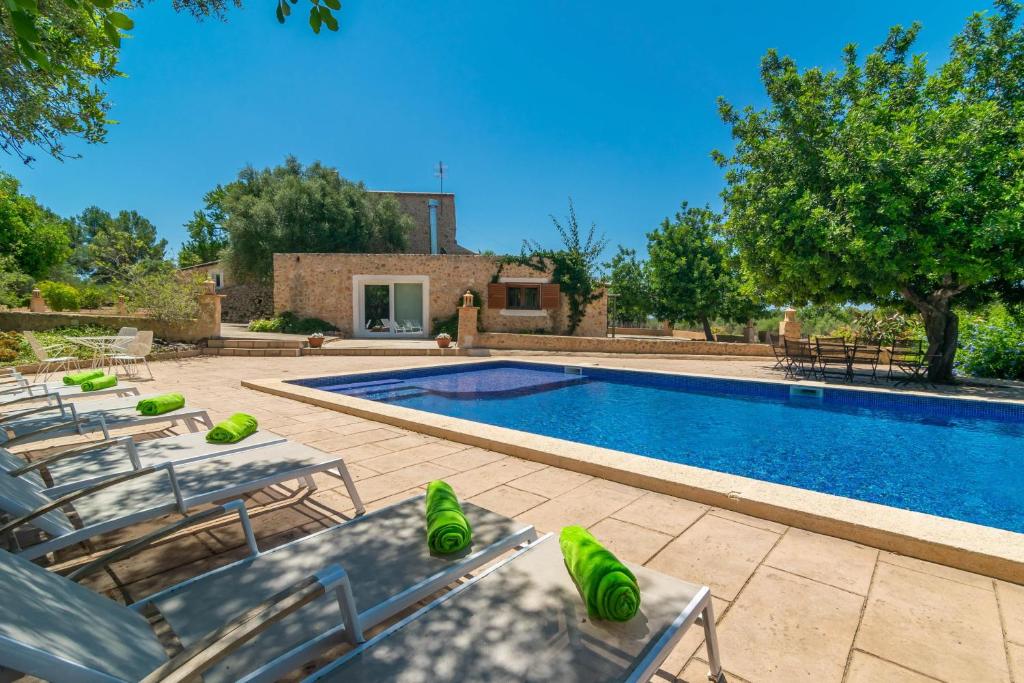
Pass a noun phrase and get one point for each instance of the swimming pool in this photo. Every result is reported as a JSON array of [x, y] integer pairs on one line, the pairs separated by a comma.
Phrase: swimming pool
[[947, 457]]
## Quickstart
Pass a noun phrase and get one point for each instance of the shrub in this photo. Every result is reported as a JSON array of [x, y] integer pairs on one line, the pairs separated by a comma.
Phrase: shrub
[[10, 346], [59, 296], [289, 323], [165, 296], [15, 286], [991, 345], [94, 296]]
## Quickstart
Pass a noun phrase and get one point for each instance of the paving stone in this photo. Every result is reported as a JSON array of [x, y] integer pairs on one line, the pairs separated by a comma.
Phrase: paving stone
[[830, 560], [629, 542], [811, 629], [716, 552], [550, 482], [942, 628], [865, 668], [1011, 605], [666, 514], [507, 501]]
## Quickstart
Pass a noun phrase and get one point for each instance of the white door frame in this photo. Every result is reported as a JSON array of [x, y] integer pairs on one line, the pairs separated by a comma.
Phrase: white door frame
[[359, 303]]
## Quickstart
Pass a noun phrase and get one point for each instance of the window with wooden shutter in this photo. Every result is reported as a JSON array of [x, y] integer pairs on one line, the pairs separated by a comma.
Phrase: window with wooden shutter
[[496, 295], [550, 297]]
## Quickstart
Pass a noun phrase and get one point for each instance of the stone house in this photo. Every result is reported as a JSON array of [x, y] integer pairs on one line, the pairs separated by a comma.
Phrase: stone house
[[434, 232], [402, 295]]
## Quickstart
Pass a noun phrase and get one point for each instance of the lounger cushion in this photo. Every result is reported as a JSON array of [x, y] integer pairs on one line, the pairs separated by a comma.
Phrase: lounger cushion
[[179, 449], [523, 622], [384, 554], [49, 614], [18, 497]]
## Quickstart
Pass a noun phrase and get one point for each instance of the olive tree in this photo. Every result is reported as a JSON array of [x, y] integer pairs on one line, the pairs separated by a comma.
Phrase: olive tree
[[887, 181]]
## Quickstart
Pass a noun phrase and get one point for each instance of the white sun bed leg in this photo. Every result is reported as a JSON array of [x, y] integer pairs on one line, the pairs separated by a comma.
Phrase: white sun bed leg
[[310, 482], [350, 486], [711, 643], [335, 577]]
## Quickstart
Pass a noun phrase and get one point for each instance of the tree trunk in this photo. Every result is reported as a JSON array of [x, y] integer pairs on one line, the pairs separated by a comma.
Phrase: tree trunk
[[708, 333], [942, 326]]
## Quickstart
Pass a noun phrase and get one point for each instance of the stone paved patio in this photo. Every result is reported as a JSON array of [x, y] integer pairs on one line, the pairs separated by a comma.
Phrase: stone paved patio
[[791, 605]]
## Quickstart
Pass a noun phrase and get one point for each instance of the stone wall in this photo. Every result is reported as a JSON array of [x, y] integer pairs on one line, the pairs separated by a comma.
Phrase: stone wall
[[548, 342], [320, 285], [191, 331], [245, 302]]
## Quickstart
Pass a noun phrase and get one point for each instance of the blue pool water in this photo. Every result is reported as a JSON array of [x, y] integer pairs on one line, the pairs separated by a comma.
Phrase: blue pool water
[[945, 457]]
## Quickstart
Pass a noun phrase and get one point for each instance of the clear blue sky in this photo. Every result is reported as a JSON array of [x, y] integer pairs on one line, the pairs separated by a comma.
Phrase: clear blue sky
[[526, 102]]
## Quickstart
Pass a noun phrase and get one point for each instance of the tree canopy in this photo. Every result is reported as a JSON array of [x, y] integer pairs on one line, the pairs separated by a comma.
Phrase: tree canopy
[[291, 208], [206, 235], [631, 284], [694, 277], [56, 55], [887, 181], [574, 267], [32, 238], [116, 248]]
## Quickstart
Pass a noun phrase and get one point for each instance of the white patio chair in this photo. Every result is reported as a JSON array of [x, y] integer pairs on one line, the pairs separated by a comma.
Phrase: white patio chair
[[51, 358], [253, 620], [134, 353]]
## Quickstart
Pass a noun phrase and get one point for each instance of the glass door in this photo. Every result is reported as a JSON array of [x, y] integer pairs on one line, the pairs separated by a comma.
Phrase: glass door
[[377, 308], [408, 309], [392, 308]]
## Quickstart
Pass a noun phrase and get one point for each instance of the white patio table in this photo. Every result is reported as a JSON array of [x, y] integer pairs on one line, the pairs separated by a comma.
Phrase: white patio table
[[102, 347]]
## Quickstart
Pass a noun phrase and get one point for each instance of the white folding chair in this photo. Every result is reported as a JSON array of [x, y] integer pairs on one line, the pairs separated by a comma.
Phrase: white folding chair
[[48, 364], [134, 353]]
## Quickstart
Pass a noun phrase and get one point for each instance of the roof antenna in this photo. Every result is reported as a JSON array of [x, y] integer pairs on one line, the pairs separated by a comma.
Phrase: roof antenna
[[442, 170]]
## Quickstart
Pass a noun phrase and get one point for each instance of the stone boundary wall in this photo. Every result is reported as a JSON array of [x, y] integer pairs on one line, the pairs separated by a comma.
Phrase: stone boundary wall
[[189, 331], [642, 331], [547, 342]]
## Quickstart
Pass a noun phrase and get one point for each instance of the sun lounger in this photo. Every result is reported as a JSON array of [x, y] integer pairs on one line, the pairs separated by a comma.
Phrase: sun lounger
[[360, 572], [37, 392], [525, 620], [157, 490], [62, 419], [82, 465]]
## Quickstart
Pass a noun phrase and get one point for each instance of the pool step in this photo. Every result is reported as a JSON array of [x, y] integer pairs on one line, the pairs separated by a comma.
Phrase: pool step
[[385, 395]]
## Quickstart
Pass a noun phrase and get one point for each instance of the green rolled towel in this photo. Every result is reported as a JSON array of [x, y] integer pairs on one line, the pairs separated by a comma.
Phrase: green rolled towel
[[233, 429], [448, 530], [82, 376], [158, 405], [609, 589], [101, 382]]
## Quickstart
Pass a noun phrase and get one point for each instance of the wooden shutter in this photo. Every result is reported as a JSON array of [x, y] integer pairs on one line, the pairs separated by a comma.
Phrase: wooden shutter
[[550, 297], [497, 295]]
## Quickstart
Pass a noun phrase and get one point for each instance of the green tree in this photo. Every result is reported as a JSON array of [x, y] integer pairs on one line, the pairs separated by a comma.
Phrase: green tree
[[206, 235], [39, 107], [33, 238], [291, 208], [631, 285], [888, 181], [118, 248], [574, 267], [691, 274]]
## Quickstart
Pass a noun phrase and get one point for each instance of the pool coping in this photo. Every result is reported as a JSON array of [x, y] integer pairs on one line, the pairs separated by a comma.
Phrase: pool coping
[[972, 547]]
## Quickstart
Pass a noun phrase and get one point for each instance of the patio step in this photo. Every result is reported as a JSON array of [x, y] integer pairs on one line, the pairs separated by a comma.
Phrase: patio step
[[222, 351], [229, 343]]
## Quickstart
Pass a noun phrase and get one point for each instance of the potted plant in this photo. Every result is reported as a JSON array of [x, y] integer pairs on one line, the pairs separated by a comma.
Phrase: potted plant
[[444, 340], [316, 340]]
